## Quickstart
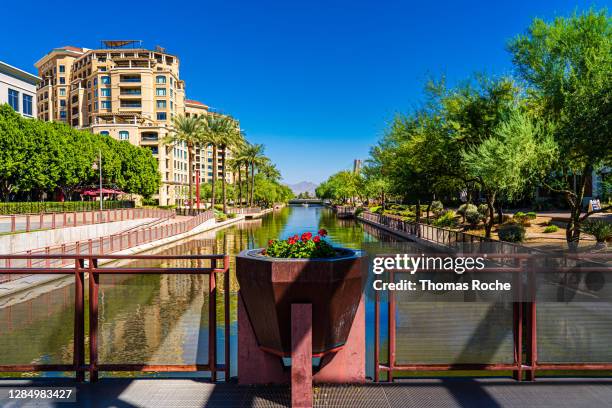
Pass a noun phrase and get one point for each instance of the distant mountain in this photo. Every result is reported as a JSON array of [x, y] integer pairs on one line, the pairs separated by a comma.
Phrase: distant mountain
[[302, 187]]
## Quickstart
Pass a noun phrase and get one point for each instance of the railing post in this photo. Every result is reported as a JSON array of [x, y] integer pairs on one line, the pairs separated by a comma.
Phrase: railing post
[[41, 221], [226, 299], [28, 223], [79, 321], [94, 280], [391, 351], [53, 221], [212, 319], [13, 223]]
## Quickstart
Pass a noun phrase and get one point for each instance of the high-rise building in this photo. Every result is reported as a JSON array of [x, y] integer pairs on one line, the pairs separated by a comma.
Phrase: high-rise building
[[126, 92], [357, 164], [18, 89]]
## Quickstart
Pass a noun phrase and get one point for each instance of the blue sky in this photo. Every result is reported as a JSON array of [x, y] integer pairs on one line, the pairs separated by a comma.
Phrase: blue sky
[[314, 81]]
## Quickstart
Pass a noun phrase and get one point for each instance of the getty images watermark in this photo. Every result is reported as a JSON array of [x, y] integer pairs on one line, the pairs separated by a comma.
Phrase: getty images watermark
[[413, 264]]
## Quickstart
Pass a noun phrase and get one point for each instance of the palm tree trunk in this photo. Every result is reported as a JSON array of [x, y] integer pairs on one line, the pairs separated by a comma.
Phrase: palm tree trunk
[[190, 173], [247, 185], [239, 181], [223, 186], [252, 182], [214, 178]]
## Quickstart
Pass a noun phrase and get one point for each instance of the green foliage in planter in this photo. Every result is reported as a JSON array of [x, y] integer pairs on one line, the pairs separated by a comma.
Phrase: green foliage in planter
[[446, 220], [600, 229], [511, 232], [551, 228], [473, 216], [358, 211], [231, 215], [531, 215], [304, 246], [522, 218]]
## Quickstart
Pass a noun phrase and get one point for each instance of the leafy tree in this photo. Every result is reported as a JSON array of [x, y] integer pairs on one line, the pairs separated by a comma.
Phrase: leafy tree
[[567, 64], [518, 151]]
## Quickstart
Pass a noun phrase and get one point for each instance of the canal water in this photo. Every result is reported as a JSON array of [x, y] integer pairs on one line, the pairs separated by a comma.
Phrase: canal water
[[160, 319]]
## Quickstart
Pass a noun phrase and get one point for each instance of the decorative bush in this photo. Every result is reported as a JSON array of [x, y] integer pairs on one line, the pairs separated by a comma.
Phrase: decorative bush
[[437, 207], [464, 208], [304, 246], [531, 215], [550, 229], [511, 232], [231, 215], [600, 229], [379, 210], [358, 211], [473, 216], [521, 218], [483, 209], [447, 219]]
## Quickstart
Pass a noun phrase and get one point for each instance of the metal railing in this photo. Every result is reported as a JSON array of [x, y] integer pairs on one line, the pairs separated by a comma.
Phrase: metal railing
[[450, 239], [88, 266], [525, 333], [102, 245], [244, 211], [35, 207], [43, 221]]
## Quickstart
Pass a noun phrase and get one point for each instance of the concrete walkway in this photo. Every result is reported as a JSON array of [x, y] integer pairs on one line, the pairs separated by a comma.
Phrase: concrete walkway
[[464, 393]]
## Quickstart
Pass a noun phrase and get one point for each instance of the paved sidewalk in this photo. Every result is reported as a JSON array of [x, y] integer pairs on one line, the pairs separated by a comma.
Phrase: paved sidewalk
[[463, 393]]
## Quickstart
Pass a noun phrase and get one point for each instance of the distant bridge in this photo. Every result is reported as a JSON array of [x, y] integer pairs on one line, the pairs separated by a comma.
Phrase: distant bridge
[[306, 201]]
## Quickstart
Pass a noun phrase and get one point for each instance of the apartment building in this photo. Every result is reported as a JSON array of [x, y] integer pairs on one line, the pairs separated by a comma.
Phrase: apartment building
[[18, 89], [126, 92]]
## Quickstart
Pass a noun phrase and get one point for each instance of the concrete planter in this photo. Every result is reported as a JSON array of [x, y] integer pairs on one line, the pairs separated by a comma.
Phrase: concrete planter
[[269, 286]]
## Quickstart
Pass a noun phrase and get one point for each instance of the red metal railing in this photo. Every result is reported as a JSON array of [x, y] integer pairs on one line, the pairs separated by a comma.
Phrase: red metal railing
[[102, 245], [87, 266], [524, 316], [29, 222]]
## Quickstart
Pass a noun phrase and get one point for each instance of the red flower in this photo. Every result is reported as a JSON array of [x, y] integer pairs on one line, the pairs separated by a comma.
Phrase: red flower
[[270, 242], [306, 236], [292, 240], [322, 232], [264, 252], [317, 239]]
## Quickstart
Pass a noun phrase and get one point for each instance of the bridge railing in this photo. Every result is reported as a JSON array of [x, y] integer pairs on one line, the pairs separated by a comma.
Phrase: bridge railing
[[43, 221], [86, 270]]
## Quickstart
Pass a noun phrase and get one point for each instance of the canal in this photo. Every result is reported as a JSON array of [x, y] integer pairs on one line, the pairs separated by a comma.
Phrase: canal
[[159, 319]]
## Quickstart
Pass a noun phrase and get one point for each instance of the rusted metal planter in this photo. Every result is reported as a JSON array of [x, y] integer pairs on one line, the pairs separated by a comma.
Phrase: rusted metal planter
[[269, 286]]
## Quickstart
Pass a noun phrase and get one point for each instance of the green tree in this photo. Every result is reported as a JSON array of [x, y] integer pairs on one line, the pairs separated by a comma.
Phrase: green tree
[[567, 64]]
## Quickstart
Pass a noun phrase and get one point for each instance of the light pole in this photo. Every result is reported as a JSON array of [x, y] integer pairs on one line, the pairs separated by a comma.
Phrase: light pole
[[95, 166]]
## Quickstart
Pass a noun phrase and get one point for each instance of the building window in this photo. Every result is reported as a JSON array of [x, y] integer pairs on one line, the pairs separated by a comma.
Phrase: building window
[[124, 135], [62, 102], [171, 105], [96, 105], [62, 80], [13, 99], [105, 79], [160, 79], [105, 92], [161, 104], [63, 114], [27, 104], [95, 81], [171, 82], [62, 68], [102, 69], [161, 115], [160, 91], [106, 105], [171, 93], [62, 91], [104, 133]]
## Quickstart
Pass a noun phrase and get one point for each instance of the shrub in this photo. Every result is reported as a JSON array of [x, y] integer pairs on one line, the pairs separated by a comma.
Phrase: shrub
[[511, 232], [551, 228], [473, 216], [446, 220], [358, 211], [379, 210], [522, 218], [483, 209], [464, 208], [600, 229], [437, 207], [232, 215], [531, 215], [374, 208], [221, 217]]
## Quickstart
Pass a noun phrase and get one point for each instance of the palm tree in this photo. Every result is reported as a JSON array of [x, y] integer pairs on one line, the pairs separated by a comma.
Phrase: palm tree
[[240, 160], [215, 128], [255, 158], [188, 130], [231, 139]]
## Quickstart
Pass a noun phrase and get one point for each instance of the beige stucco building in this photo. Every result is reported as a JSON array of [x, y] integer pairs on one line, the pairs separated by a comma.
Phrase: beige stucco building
[[129, 94]]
